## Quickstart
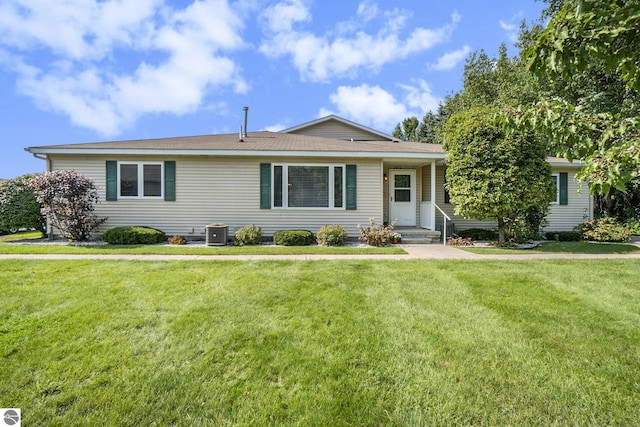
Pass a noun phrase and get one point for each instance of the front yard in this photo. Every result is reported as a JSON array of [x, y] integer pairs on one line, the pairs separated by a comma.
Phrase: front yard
[[321, 343]]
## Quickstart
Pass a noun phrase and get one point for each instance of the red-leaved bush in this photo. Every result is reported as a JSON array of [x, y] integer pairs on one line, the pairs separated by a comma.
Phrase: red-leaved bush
[[67, 199]]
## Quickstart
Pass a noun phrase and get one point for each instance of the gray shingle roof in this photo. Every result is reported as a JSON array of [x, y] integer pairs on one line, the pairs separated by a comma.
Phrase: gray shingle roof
[[263, 141]]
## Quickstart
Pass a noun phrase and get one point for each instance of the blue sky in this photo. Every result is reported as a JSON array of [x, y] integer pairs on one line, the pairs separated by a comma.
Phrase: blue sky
[[85, 70]]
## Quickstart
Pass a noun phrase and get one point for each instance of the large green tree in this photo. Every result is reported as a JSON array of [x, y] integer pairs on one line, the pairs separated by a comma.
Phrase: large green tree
[[593, 47], [407, 130], [492, 174]]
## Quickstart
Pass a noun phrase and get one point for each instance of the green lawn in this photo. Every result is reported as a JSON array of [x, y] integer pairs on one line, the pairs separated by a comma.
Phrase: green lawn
[[9, 245], [324, 343], [562, 248]]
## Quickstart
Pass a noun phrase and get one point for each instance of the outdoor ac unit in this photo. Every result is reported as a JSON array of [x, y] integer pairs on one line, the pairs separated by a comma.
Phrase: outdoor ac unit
[[217, 234]]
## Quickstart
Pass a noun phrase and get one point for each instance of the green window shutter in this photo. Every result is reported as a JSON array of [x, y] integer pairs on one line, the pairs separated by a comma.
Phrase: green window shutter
[[563, 183], [112, 180], [351, 187], [265, 185], [170, 181]]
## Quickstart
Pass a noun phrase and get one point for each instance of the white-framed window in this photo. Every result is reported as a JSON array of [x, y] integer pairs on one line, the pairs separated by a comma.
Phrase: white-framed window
[[308, 186], [140, 179]]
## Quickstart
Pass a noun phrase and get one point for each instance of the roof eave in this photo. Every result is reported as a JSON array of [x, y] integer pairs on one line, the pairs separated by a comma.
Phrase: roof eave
[[235, 153]]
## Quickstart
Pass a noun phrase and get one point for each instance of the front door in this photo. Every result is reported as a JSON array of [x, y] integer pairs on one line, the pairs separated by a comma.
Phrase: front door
[[402, 197]]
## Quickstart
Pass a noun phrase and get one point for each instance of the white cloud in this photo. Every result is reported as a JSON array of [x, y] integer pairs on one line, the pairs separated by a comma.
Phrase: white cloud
[[282, 16], [420, 98], [87, 39], [450, 59], [378, 108], [367, 10], [276, 127], [320, 57], [511, 27]]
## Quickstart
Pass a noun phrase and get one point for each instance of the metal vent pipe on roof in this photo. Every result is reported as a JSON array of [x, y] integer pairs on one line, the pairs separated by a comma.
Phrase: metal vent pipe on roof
[[246, 113]]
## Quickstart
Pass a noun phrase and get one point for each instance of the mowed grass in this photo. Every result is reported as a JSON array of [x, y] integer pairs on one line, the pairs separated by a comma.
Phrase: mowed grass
[[560, 248], [326, 343], [13, 244]]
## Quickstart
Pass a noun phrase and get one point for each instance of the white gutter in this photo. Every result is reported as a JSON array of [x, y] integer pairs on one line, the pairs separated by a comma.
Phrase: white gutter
[[238, 153]]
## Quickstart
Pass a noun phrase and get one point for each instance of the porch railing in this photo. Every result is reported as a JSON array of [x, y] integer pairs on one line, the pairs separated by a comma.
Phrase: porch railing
[[445, 217]]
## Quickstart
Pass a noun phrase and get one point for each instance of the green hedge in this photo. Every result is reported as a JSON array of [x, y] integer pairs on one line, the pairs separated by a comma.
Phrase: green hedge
[[293, 238], [133, 235]]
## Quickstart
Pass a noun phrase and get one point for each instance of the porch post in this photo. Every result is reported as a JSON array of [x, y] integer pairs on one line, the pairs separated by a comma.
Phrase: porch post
[[433, 195]]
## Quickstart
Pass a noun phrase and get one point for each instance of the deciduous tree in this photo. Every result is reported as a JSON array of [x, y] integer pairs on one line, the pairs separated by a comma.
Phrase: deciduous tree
[[593, 45], [494, 175]]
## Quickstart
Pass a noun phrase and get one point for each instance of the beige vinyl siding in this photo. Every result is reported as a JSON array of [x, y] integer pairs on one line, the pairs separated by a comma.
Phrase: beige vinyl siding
[[578, 209], [337, 130], [560, 217], [459, 222], [224, 190]]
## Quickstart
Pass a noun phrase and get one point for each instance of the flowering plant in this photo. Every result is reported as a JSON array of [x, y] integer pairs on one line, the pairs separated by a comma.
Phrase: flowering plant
[[376, 235]]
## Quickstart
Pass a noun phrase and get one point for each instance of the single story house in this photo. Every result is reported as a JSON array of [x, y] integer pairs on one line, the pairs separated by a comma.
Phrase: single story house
[[327, 171]]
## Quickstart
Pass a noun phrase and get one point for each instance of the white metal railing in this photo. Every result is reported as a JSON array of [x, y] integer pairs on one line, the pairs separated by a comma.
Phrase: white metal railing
[[444, 223]]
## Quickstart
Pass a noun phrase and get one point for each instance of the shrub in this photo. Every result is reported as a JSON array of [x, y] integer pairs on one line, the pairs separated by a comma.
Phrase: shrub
[[526, 226], [68, 200], [478, 234], [293, 238], [563, 236], [19, 206], [605, 229], [375, 235], [177, 240], [633, 225], [248, 235], [133, 235], [332, 235]]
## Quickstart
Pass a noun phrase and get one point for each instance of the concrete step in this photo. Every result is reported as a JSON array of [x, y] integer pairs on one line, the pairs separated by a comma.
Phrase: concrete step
[[418, 236], [417, 241]]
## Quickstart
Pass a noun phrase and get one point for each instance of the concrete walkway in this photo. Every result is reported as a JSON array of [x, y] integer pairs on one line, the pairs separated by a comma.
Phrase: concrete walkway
[[413, 252]]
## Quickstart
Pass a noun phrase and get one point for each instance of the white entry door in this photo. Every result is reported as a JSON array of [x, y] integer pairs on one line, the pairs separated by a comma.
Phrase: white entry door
[[402, 197]]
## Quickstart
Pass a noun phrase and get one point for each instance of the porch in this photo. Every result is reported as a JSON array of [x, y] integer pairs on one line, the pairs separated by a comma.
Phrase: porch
[[414, 198]]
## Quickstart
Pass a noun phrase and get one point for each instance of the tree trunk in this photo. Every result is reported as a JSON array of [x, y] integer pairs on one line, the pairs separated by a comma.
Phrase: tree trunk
[[501, 230]]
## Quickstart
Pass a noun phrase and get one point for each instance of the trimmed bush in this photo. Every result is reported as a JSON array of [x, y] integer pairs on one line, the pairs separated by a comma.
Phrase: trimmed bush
[[605, 229], [133, 235], [177, 240], [332, 235], [478, 234], [248, 235], [293, 238], [563, 236]]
